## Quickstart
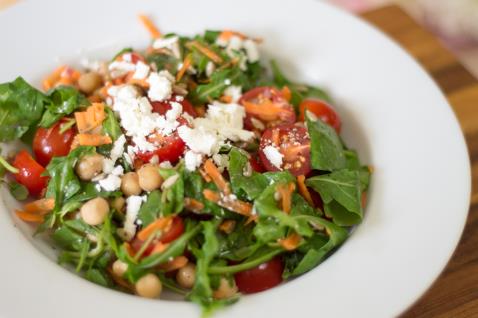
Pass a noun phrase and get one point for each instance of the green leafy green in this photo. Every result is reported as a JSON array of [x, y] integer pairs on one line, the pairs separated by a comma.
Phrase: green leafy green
[[150, 209], [21, 107], [99, 277], [17, 190], [220, 80], [250, 186], [326, 150], [172, 198], [111, 127], [63, 100]]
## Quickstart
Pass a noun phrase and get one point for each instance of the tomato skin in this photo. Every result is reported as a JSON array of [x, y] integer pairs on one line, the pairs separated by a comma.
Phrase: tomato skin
[[322, 110], [267, 96], [260, 278], [49, 143], [172, 147], [293, 143], [176, 230], [29, 173], [256, 165], [163, 106]]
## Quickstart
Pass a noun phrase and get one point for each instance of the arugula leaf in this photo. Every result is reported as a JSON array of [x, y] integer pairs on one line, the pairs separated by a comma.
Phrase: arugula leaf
[[67, 238], [64, 183], [149, 210], [340, 188], [326, 150], [239, 244], [164, 62], [202, 291], [317, 247], [220, 80], [249, 187], [211, 36], [172, 198], [21, 107], [17, 190], [111, 127], [63, 100], [121, 52], [99, 277]]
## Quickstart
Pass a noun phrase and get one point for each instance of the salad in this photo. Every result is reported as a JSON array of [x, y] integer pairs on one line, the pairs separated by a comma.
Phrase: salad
[[187, 166]]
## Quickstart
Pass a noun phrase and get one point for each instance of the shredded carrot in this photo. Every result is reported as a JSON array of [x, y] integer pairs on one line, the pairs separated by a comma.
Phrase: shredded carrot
[[159, 248], [62, 75], [226, 35], [159, 224], [217, 177], [204, 175], [29, 217], [51, 79], [266, 110], [287, 93], [193, 205], [235, 205], [129, 249], [120, 280], [227, 226], [174, 264], [285, 191], [291, 242], [91, 118], [93, 140], [42, 205], [226, 99], [275, 137], [303, 189], [149, 25], [213, 56], [186, 64]]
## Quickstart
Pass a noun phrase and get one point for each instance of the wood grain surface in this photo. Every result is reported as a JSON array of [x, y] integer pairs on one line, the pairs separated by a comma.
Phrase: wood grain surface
[[455, 293]]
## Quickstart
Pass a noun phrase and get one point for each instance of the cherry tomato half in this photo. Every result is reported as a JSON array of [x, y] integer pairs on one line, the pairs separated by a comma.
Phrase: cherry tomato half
[[163, 106], [170, 148], [256, 165], [268, 105], [175, 231], [293, 143], [29, 173], [322, 110], [260, 278], [49, 143]]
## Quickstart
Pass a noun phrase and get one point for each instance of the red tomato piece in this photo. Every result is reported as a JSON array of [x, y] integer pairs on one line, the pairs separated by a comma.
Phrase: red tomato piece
[[163, 106], [174, 232], [29, 173], [170, 148], [268, 105], [322, 110], [260, 278], [134, 57], [49, 143], [256, 165], [293, 143]]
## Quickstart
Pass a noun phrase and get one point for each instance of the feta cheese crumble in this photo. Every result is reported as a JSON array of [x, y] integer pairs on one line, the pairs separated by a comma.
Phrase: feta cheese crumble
[[171, 43], [192, 160], [160, 85], [233, 91], [133, 204], [273, 155]]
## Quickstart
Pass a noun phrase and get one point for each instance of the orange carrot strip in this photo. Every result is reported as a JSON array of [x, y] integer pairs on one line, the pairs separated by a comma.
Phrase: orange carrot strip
[[29, 217], [174, 264], [140, 82], [149, 25], [291, 242], [217, 177], [226, 99], [275, 137], [53, 78], [193, 205], [186, 64], [159, 224], [287, 93], [286, 196], [213, 56], [159, 248], [42, 205], [266, 110], [303, 189], [238, 206], [226, 35], [204, 175], [227, 226], [93, 140], [91, 118], [129, 249]]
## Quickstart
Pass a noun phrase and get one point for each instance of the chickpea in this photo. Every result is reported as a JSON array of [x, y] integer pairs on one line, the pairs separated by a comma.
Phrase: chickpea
[[89, 82], [149, 177], [130, 184], [89, 166], [186, 276], [118, 204], [94, 211], [225, 290], [119, 268], [149, 286]]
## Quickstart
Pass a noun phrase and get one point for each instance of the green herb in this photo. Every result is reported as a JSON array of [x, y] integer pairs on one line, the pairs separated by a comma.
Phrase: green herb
[[326, 150], [63, 100], [70, 122], [99, 277], [21, 107], [17, 190], [220, 80], [172, 198], [149, 210], [250, 186], [111, 127]]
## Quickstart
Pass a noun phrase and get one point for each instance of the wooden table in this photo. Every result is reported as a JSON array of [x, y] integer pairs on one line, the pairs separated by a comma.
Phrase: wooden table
[[455, 293]]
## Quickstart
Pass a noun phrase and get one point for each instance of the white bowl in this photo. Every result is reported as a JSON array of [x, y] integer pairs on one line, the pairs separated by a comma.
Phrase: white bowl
[[392, 113]]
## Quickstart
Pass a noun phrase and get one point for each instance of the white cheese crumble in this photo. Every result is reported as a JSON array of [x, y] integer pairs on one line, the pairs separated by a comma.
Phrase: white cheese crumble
[[133, 204], [142, 71], [160, 85], [234, 46], [251, 50], [192, 160], [170, 43], [235, 92], [210, 68], [169, 182], [273, 155], [112, 181], [221, 161], [120, 68]]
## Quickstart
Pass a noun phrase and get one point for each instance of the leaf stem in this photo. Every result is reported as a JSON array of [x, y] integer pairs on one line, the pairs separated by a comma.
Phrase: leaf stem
[[8, 166], [244, 266]]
